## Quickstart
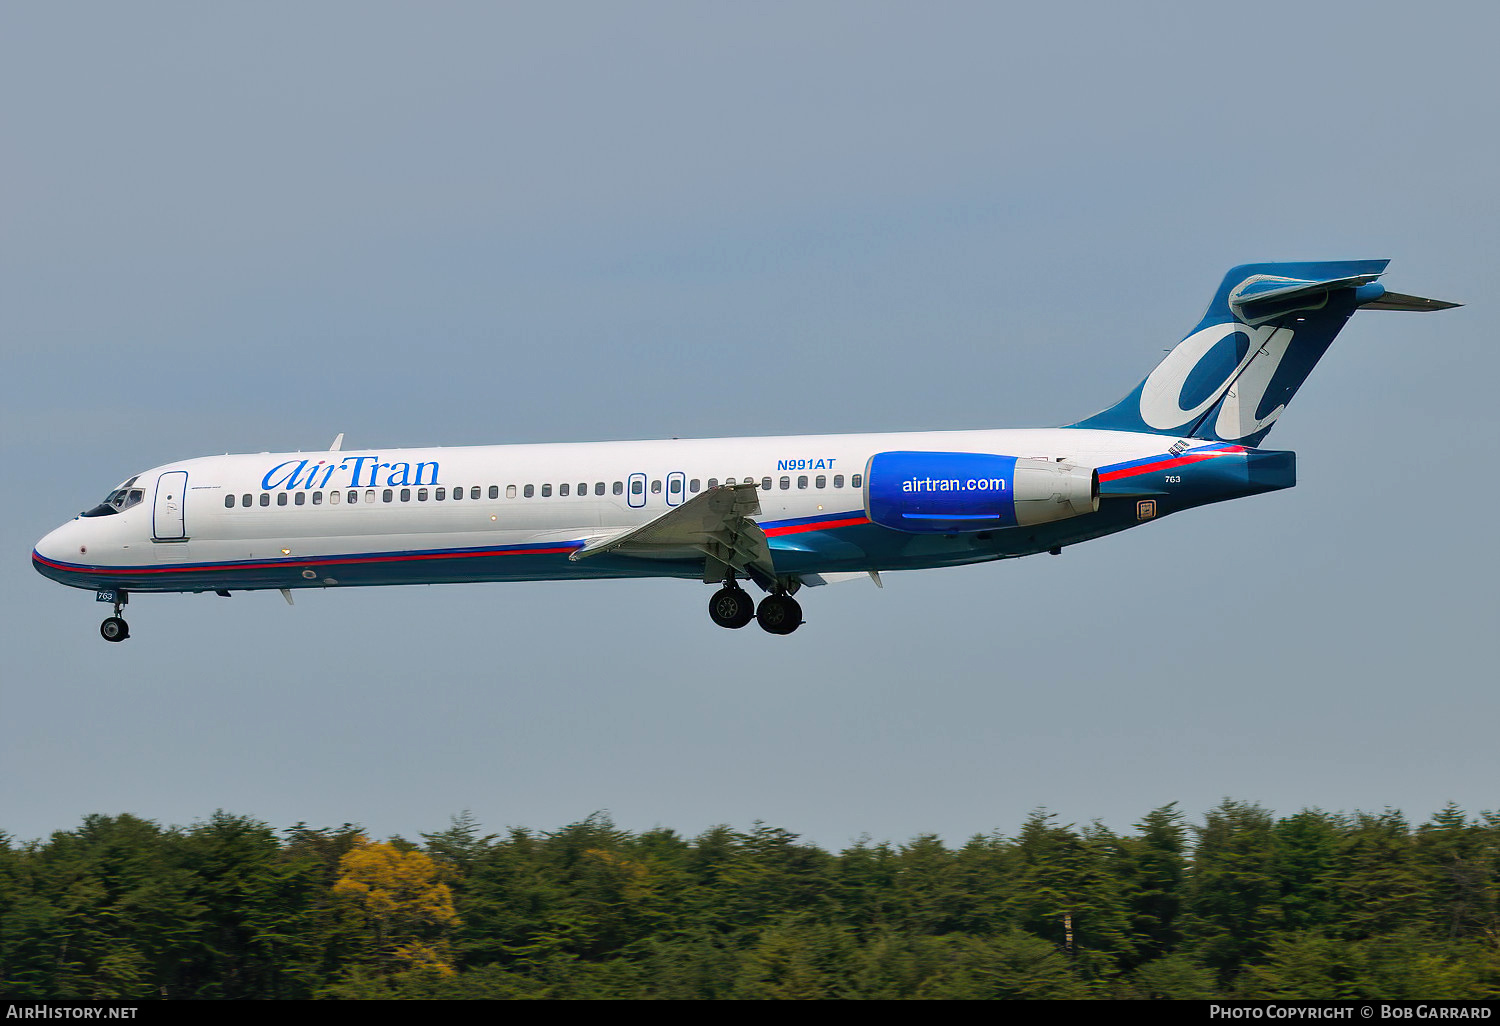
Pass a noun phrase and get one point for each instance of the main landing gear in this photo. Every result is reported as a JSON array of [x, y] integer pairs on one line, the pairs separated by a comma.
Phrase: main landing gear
[[779, 614], [732, 607]]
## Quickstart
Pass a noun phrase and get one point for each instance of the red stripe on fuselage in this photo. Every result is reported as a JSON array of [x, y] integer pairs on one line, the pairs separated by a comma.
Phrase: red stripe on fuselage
[[293, 563], [817, 525], [1168, 464]]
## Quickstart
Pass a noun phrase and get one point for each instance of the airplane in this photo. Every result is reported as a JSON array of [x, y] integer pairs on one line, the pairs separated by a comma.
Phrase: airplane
[[782, 513]]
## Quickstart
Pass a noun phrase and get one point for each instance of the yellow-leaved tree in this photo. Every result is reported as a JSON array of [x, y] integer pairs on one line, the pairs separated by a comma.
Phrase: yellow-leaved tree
[[403, 903]]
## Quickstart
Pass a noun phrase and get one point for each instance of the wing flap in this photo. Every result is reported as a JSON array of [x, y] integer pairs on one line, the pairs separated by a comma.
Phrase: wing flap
[[714, 526]]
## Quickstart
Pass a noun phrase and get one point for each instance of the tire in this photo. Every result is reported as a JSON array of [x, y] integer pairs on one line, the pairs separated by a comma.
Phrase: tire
[[779, 614], [114, 629], [731, 608]]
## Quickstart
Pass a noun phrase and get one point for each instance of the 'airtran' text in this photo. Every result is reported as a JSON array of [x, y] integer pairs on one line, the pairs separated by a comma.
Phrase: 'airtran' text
[[351, 472]]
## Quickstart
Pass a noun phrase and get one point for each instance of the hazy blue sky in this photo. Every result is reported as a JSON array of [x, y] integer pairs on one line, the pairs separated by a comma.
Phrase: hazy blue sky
[[252, 227]]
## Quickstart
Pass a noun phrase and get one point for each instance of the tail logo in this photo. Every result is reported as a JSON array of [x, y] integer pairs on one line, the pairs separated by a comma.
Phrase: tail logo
[[1242, 385]]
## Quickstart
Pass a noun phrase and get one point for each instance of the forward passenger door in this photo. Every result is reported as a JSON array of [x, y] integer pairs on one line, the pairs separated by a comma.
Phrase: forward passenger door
[[167, 520]]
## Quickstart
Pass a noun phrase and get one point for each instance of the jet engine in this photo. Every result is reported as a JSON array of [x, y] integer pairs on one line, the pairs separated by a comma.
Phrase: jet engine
[[959, 492]]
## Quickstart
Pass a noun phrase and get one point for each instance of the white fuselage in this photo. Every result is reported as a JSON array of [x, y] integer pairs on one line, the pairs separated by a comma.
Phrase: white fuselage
[[266, 520]]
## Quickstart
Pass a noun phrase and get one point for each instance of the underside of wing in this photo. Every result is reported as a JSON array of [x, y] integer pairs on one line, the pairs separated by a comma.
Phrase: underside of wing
[[714, 526]]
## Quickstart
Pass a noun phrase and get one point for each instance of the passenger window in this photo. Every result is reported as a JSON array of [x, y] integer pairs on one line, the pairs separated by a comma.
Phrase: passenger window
[[333, 498], [530, 491], [838, 480], [675, 486], [856, 480], [583, 488], [281, 498], [229, 502], [821, 482], [354, 495], [786, 483], [598, 487], [619, 488], [265, 498], [458, 493], [693, 485], [406, 495], [317, 498], [510, 491], [474, 492], [440, 494], [547, 491], [494, 492], [421, 494], [245, 499], [300, 498], [765, 484], [802, 481], [637, 488], [369, 495], [713, 482], [728, 481], [387, 495], [562, 490]]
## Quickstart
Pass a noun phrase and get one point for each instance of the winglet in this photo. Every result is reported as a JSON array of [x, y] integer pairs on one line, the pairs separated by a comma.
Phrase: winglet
[[337, 443]]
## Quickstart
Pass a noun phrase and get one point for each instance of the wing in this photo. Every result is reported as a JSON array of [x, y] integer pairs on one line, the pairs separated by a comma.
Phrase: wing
[[714, 526]]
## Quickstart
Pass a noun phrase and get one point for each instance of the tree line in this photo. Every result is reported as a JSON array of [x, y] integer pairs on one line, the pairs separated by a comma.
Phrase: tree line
[[1313, 905]]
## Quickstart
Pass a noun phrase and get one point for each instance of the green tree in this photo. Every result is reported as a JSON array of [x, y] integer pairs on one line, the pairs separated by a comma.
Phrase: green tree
[[1379, 887], [1398, 966], [261, 932], [108, 915], [801, 959], [1304, 864], [1065, 891], [1232, 893], [865, 888], [1460, 863], [1152, 867]]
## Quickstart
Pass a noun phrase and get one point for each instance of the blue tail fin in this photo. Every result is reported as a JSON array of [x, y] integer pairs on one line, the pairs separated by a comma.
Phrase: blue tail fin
[[1266, 329]]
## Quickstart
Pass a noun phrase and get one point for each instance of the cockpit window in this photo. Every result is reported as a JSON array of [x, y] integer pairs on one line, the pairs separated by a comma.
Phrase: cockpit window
[[121, 498]]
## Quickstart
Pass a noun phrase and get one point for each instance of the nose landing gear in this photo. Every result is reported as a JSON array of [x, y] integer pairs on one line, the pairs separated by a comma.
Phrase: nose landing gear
[[114, 628]]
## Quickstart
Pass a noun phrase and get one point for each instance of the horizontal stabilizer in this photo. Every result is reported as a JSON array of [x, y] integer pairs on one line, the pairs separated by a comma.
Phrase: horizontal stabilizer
[[1397, 301], [1264, 296]]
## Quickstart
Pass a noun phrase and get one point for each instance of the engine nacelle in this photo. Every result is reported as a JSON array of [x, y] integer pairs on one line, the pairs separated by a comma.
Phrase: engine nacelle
[[959, 492]]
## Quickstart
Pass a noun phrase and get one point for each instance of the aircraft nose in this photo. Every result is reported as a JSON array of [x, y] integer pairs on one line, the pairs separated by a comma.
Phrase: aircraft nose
[[57, 547]]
